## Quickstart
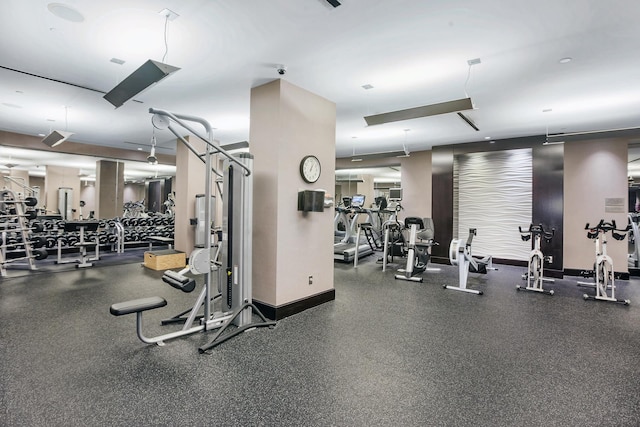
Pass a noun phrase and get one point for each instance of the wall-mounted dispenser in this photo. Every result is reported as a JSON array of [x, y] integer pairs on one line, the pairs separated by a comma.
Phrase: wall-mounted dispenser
[[311, 200]]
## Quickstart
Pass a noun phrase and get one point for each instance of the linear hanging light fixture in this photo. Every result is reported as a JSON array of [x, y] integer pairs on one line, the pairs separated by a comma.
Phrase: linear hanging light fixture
[[57, 137], [148, 74], [468, 121], [418, 112], [428, 110]]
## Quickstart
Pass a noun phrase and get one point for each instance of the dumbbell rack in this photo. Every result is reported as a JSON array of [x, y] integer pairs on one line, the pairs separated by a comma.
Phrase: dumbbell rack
[[136, 231], [82, 244], [20, 227]]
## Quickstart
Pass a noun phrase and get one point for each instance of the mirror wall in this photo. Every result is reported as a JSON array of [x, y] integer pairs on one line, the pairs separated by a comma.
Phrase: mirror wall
[[30, 167]]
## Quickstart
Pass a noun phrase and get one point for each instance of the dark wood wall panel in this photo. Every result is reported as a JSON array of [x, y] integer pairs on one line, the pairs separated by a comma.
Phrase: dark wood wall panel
[[442, 200], [548, 200], [548, 190]]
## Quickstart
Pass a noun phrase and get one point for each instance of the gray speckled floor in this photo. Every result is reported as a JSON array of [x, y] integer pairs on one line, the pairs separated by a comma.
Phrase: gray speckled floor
[[384, 353]]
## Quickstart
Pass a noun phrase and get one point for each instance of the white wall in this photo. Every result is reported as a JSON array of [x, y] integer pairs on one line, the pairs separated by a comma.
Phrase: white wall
[[494, 194]]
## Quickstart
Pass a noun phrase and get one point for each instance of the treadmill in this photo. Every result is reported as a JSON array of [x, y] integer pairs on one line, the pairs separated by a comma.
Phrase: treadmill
[[345, 250]]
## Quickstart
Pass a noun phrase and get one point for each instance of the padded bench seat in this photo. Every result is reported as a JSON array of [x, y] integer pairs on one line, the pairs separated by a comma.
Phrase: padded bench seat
[[159, 239], [137, 305]]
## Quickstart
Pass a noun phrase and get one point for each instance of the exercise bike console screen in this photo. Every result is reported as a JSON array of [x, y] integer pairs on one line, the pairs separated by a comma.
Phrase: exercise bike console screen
[[357, 201], [395, 194]]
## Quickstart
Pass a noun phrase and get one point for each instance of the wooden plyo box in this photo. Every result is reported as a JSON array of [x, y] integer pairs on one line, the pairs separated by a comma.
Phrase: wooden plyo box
[[164, 259]]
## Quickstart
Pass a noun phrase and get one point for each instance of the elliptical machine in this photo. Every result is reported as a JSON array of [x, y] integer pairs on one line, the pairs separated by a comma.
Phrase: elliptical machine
[[603, 267], [535, 270], [418, 250]]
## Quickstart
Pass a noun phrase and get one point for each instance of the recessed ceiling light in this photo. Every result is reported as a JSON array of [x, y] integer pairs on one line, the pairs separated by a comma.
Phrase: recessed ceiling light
[[117, 61], [51, 120], [41, 134], [565, 60], [487, 137], [547, 110], [367, 86], [65, 12], [19, 91], [139, 149], [492, 142]]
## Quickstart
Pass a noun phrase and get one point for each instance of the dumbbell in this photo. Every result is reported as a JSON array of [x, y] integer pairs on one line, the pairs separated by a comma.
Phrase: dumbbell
[[36, 226], [51, 242], [21, 255], [38, 241], [29, 201], [28, 214]]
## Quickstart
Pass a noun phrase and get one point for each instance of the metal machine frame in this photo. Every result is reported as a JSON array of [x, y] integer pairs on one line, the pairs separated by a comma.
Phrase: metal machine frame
[[461, 256], [235, 269], [535, 267], [603, 268]]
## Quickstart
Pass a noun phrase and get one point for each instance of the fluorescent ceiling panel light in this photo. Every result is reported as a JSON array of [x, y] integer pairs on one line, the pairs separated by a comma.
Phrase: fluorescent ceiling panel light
[[418, 112], [334, 3], [56, 137], [147, 74]]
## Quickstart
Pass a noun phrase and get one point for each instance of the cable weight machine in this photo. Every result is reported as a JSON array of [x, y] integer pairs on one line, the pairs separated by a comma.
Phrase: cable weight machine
[[234, 269]]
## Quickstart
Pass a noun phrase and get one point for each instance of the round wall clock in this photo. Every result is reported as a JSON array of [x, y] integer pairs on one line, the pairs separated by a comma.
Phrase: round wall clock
[[310, 169]]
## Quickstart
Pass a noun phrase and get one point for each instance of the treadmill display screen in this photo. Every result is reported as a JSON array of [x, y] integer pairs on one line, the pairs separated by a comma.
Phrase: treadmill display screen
[[395, 194], [357, 201]]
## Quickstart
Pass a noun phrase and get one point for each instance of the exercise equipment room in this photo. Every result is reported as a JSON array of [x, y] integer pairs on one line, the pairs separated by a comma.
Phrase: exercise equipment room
[[171, 172]]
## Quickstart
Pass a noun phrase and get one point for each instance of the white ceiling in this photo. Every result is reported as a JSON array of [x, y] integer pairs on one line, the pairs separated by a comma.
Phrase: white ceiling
[[413, 52]]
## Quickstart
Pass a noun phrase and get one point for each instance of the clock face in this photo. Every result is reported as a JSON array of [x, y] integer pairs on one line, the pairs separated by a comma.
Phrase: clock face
[[310, 169]]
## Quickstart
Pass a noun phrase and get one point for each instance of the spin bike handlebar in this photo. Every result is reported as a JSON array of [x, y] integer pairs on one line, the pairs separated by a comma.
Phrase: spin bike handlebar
[[535, 230], [604, 227]]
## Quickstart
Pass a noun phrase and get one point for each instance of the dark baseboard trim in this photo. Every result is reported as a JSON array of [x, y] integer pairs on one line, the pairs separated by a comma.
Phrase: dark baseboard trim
[[556, 274], [504, 261], [575, 272], [277, 313], [514, 262]]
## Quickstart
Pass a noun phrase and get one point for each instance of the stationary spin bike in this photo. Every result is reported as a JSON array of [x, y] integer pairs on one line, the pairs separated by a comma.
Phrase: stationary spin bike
[[535, 271], [603, 267]]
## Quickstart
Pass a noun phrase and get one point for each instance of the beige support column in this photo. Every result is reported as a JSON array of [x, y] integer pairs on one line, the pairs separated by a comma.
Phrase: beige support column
[[594, 172], [366, 188], [292, 250], [415, 171], [109, 189], [61, 177], [189, 181]]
